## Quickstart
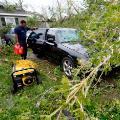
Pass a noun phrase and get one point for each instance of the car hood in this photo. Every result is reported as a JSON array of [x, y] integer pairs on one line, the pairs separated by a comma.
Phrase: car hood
[[75, 49]]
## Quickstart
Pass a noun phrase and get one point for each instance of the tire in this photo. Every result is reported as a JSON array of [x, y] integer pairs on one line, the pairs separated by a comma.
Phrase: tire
[[67, 66]]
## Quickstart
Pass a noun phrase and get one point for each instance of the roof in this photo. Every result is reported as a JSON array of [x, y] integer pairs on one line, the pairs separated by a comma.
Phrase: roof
[[18, 12], [14, 14]]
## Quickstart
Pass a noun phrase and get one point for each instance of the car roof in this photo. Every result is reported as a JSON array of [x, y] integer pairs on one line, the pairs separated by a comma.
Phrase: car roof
[[56, 28], [62, 28], [53, 30]]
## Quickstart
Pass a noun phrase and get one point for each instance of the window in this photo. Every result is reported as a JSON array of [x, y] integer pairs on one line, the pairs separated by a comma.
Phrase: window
[[10, 20], [3, 21], [41, 31], [67, 35], [16, 21], [1, 7]]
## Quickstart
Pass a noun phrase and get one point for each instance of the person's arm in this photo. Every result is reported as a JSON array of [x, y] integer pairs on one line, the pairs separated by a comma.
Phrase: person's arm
[[16, 35]]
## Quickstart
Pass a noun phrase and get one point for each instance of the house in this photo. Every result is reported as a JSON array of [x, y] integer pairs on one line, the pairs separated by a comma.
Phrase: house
[[13, 17]]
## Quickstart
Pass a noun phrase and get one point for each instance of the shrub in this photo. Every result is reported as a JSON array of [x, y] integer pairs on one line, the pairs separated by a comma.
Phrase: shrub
[[4, 30]]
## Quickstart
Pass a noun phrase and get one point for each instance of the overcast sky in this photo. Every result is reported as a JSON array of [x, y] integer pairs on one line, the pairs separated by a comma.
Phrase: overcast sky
[[37, 5]]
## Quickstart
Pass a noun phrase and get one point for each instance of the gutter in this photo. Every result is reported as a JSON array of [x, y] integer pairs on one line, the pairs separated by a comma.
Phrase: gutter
[[12, 14]]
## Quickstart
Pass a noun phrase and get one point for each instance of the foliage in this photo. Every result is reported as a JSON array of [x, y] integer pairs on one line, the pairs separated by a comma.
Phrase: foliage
[[104, 36], [99, 31], [33, 21], [38, 102], [7, 54], [99, 27], [5, 29], [73, 99], [57, 72], [10, 8]]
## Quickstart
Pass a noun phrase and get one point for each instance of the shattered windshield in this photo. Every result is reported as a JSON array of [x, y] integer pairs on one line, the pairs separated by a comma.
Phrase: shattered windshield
[[67, 35]]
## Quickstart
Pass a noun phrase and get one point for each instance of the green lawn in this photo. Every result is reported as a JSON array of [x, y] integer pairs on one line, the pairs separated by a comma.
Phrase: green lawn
[[25, 104]]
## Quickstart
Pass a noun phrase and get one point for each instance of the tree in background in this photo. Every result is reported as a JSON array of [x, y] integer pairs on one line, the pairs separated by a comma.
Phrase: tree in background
[[8, 6], [20, 3], [33, 21], [61, 12], [59, 9]]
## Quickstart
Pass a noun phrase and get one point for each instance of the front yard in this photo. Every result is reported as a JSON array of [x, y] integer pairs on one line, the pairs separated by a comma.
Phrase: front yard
[[33, 102]]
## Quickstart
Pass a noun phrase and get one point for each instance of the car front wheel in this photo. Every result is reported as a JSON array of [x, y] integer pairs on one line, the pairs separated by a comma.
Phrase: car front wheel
[[67, 65]]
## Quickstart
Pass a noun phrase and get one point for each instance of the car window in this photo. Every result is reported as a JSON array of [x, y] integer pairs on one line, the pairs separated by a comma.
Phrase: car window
[[67, 35], [33, 34], [51, 32], [41, 31]]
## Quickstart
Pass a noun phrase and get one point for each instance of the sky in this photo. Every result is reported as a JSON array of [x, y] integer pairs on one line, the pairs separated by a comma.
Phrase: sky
[[37, 5]]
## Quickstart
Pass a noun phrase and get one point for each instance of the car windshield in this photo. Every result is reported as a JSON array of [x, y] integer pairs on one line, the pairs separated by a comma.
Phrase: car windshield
[[68, 35]]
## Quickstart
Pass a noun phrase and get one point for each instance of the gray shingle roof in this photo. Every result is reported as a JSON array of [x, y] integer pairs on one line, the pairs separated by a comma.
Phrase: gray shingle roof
[[18, 12]]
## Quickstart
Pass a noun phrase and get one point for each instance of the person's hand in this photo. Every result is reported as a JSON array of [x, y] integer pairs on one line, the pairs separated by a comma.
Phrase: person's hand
[[17, 43]]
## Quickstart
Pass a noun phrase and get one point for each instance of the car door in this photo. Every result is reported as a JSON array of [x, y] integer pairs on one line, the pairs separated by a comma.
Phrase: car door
[[52, 48], [40, 41]]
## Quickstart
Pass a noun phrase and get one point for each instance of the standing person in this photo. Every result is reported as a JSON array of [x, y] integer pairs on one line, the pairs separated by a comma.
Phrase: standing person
[[20, 33]]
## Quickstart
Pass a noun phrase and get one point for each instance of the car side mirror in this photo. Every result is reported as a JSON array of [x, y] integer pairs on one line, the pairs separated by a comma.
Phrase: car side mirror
[[51, 38], [38, 35]]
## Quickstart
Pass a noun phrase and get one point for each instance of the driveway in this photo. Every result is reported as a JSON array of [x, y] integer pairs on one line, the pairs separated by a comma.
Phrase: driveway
[[44, 66]]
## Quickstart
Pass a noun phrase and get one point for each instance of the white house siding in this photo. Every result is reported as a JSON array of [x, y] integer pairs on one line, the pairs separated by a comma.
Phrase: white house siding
[[11, 19]]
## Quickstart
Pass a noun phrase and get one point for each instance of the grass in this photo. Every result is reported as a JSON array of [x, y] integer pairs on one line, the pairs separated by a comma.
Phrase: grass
[[23, 105], [34, 101], [105, 98]]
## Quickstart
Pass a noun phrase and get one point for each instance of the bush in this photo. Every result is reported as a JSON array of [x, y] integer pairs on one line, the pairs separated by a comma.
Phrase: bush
[[33, 21], [4, 30]]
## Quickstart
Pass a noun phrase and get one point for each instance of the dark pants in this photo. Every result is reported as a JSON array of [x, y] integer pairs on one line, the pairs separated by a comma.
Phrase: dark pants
[[8, 41], [24, 56]]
